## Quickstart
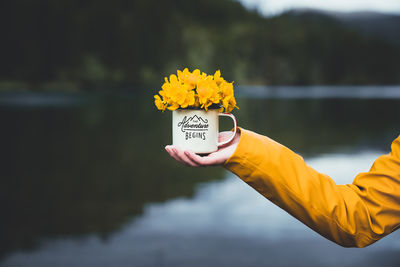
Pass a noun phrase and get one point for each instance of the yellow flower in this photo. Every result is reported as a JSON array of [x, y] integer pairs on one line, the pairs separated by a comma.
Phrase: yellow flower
[[229, 103], [175, 90], [189, 100], [226, 88], [217, 77], [159, 103], [208, 92], [204, 91], [225, 102], [195, 89], [191, 79], [173, 106]]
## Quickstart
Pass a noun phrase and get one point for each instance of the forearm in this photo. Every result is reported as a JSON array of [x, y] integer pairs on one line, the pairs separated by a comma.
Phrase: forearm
[[344, 214]]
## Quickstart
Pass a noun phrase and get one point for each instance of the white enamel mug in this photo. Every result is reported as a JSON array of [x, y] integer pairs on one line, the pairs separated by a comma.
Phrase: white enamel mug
[[197, 129]]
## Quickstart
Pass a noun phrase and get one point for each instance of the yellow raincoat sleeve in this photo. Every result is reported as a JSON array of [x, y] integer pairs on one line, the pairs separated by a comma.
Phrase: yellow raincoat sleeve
[[352, 215]]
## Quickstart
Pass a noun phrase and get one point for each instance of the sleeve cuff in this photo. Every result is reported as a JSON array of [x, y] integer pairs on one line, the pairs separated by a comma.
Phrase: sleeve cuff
[[237, 162]]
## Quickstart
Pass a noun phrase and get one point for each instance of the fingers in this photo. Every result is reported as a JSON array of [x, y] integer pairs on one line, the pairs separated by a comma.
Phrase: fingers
[[209, 160], [189, 158], [172, 153], [184, 158], [179, 155]]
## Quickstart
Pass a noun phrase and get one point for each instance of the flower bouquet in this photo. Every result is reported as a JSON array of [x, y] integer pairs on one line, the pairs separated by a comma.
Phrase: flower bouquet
[[197, 99]]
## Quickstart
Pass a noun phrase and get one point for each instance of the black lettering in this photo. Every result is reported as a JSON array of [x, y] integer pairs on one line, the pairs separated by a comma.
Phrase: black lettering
[[194, 123]]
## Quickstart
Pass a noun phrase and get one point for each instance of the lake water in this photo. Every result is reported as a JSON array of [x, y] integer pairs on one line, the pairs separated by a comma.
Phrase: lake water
[[85, 180]]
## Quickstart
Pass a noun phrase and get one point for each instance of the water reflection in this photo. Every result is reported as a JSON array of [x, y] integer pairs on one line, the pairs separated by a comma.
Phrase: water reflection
[[214, 228], [77, 170], [84, 180]]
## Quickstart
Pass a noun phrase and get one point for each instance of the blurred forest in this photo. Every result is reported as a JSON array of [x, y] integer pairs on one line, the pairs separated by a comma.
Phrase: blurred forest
[[122, 44]]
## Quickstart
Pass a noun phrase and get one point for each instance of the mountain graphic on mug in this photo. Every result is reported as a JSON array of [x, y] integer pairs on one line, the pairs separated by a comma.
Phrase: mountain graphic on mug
[[196, 118]]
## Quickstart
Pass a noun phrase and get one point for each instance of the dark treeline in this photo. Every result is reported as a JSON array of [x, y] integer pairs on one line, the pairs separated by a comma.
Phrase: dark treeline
[[71, 44]]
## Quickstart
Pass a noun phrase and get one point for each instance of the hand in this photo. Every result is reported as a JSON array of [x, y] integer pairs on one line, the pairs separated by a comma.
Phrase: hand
[[216, 158]]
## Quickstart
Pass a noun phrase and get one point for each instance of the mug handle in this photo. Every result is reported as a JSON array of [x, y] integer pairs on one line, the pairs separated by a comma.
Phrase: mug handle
[[234, 132]]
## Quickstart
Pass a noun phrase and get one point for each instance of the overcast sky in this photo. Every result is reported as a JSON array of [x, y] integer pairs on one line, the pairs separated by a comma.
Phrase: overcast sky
[[273, 7]]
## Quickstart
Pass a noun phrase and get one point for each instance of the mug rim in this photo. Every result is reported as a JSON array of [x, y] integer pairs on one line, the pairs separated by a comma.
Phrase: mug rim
[[213, 106]]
